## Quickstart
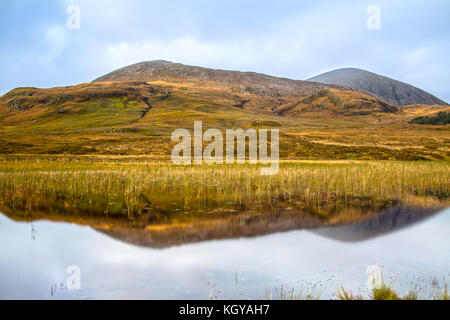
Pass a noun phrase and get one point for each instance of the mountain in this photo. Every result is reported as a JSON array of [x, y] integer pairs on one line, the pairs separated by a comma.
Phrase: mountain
[[260, 93], [235, 81], [390, 90], [188, 89], [134, 110]]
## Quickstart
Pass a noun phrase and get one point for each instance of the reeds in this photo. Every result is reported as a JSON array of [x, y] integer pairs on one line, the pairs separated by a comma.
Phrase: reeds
[[384, 291], [114, 188]]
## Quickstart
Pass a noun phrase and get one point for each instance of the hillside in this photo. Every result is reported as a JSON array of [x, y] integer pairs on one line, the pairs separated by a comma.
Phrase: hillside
[[187, 89], [132, 112], [390, 90], [235, 81]]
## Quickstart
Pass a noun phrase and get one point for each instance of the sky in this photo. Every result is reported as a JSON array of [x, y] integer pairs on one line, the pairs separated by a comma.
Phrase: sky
[[46, 43]]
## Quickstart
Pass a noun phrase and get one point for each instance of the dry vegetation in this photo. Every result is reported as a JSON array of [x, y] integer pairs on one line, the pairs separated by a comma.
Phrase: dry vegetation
[[382, 292], [137, 118], [128, 187]]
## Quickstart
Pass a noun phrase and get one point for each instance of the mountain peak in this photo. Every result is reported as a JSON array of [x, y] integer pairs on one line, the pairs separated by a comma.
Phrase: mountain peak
[[155, 63], [385, 88]]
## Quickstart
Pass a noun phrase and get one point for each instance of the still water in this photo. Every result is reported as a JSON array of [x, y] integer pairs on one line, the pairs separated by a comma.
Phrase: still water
[[34, 258]]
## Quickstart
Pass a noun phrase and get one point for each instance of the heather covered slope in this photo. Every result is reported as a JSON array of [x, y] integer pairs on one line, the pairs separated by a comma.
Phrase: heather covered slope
[[161, 106], [390, 90], [137, 117]]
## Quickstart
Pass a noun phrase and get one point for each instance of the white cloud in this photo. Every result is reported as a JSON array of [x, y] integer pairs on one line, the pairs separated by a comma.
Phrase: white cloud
[[420, 55], [186, 50], [55, 44], [297, 47]]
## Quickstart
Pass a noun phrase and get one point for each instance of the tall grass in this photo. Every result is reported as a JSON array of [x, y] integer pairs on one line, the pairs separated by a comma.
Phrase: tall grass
[[112, 188]]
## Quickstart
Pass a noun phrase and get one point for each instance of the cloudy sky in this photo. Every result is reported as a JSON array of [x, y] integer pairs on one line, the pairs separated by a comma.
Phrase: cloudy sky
[[293, 38]]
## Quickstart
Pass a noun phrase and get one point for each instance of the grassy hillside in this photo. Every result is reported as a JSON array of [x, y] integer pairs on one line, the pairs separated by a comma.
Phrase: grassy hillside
[[137, 118]]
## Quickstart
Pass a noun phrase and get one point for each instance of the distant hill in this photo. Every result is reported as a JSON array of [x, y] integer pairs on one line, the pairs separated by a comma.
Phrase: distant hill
[[236, 81], [390, 90]]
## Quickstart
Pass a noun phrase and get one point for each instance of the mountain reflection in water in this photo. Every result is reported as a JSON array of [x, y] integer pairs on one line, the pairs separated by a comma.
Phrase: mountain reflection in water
[[347, 224], [239, 267], [387, 221]]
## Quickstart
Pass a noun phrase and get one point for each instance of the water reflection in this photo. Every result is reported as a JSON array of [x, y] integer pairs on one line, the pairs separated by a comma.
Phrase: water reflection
[[228, 269], [345, 224], [387, 221]]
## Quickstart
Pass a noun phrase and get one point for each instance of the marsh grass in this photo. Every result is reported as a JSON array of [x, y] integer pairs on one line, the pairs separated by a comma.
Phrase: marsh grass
[[445, 295], [112, 188], [442, 294], [303, 293], [384, 291]]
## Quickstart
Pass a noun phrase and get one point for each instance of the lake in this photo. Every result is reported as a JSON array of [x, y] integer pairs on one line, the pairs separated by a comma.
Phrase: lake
[[410, 245]]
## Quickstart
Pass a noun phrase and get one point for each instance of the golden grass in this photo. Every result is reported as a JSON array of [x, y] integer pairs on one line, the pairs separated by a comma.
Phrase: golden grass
[[128, 118], [112, 187]]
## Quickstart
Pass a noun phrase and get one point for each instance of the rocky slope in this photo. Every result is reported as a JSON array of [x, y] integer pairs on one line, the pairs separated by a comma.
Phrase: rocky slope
[[390, 90]]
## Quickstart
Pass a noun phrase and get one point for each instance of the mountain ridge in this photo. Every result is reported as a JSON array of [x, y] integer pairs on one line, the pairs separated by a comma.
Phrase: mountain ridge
[[350, 79], [236, 81]]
